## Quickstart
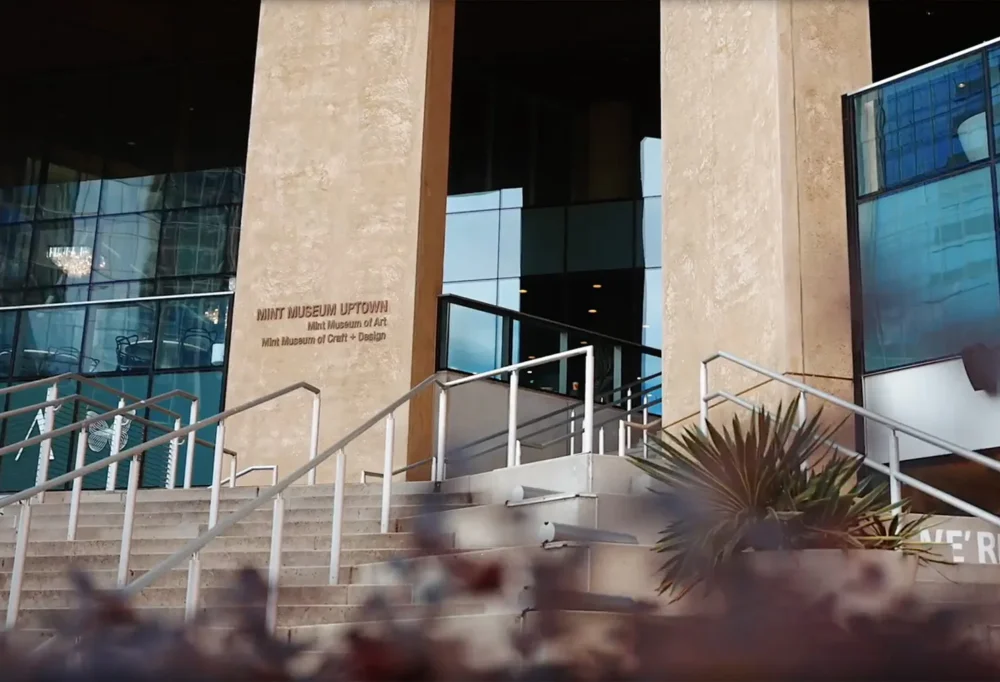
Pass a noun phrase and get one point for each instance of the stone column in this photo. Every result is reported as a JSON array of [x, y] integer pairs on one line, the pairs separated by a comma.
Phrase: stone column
[[343, 223], [755, 236]]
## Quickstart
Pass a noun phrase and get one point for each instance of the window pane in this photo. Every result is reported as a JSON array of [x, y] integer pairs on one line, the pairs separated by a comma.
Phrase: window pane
[[68, 194], [995, 93], [18, 469], [19, 190], [195, 285], [99, 434], [208, 387], [922, 125], [198, 241], [62, 253], [117, 290], [15, 242], [192, 332], [471, 245], [652, 309], [132, 195], [120, 338], [600, 236], [126, 247], [929, 271], [510, 243], [7, 323], [649, 235], [204, 188], [49, 342], [472, 334], [543, 241]]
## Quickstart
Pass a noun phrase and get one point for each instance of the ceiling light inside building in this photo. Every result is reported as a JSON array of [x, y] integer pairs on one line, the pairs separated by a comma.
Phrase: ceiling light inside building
[[523, 291], [212, 315], [597, 286], [75, 261], [592, 311]]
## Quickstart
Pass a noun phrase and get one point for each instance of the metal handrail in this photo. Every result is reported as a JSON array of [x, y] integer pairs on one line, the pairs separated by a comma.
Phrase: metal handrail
[[190, 551], [895, 476], [73, 376], [930, 490], [446, 299], [566, 436], [568, 408], [76, 477], [273, 468]]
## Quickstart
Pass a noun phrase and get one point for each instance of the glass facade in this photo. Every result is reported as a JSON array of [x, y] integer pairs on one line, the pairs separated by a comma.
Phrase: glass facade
[[925, 211], [554, 184]]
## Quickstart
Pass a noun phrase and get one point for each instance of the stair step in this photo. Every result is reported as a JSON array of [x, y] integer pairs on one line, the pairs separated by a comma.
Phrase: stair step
[[288, 595], [290, 615], [233, 559], [260, 516], [222, 544], [186, 531], [117, 506]]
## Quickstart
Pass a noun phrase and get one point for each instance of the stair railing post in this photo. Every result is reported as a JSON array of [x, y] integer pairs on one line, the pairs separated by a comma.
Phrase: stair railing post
[[313, 438], [438, 463], [274, 561], [175, 448], [621, 438], [801, 415], [600, 441], [191, 438], [587, 446], [390, 429], [74, 498], [572, 432], [895, 491], [628, 418], [645, 425], [20, 556], [220, 440], [116, 445], [45, 447], [232, 471], [127, 525], [338, 518], [512, 420], [517, 453], [193, 585], [703, 400]]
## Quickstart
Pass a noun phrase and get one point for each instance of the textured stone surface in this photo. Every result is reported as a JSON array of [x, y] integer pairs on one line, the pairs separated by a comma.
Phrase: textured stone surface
[[755, 254], [334, 212]]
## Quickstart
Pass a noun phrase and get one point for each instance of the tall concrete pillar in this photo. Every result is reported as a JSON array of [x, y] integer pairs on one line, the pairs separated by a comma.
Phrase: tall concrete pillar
[[755, 237], [343, 224]]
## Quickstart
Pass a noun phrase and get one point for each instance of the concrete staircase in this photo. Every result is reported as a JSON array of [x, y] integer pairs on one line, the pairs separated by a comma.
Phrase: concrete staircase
[[480, 513], [166, 519]]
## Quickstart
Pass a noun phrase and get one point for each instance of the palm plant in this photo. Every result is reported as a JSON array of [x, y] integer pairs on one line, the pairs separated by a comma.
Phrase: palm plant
[[766, 485]]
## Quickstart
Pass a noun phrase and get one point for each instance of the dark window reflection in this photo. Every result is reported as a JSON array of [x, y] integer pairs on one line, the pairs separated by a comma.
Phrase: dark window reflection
[[922, 125], [192, 332], [49, 342], [199, 241], [126, 247], [120, 338], [62, 252]]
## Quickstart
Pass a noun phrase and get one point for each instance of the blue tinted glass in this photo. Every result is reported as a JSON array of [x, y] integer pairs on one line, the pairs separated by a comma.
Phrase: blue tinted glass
[[199, 241], [68, 194], [652, 309], [18, 469], [100, 433], [471, 245], [132, 195], [543, 241], [203, 188], [126, 247], [995, 93], [192, 332], [510, 243], [15, 245], [929, 271], [49, 342], [472, 335], [8, 321], [17, 200], [208, 387], [119, 338], [922, 125], [649, 233]]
